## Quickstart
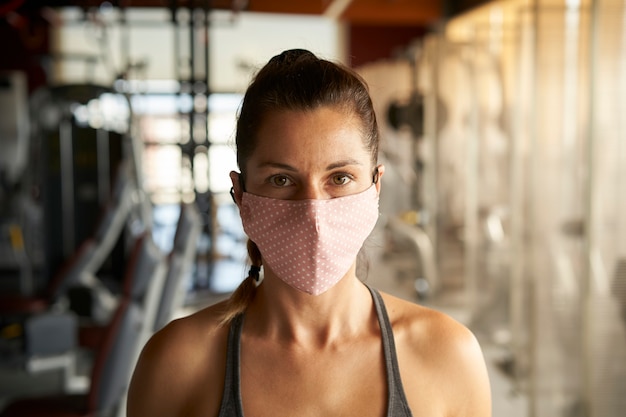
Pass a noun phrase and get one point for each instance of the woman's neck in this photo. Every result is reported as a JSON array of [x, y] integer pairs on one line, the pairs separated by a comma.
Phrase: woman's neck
[[288, 315]]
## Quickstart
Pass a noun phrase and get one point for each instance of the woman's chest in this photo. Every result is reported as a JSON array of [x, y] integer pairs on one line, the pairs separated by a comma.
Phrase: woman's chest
[[340, 383]]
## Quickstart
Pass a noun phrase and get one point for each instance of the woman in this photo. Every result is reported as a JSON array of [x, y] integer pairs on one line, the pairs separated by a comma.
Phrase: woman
[[309, 338]]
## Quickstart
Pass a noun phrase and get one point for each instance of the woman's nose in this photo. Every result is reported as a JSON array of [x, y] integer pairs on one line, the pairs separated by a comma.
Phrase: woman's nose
[[311, 192]]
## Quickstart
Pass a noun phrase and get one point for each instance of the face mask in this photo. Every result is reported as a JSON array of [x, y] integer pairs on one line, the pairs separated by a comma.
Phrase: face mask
[[310, 244]]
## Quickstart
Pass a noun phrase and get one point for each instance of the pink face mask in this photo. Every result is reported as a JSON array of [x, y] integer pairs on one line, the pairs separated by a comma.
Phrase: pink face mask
[[310, 244]]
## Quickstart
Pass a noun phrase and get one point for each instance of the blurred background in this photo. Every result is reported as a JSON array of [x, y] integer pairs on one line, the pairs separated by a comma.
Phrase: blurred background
[[504, 139]]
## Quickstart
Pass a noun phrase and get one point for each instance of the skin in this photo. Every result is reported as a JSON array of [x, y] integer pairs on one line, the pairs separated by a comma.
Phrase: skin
[[306, 355]]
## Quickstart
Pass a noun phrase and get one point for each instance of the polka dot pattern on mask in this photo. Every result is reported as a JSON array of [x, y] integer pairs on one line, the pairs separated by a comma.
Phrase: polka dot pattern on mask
[[310, 244]]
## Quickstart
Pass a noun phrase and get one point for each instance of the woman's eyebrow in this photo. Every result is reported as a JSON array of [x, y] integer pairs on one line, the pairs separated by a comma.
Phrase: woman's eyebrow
[[277, 165], [334, 165], [343, 163]]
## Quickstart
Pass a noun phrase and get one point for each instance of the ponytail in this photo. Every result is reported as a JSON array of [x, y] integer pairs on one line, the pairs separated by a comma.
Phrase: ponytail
[[241, 298]]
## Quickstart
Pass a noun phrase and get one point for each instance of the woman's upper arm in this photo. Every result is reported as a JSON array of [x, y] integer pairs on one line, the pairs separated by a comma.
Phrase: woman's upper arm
[[475, 391], [156, 381], [442, 360]]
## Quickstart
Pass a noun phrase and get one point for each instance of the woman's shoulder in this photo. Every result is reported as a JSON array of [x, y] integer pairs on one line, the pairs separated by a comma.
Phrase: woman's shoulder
[[421, 326], [433, 347], [190, 336], [188, 353]]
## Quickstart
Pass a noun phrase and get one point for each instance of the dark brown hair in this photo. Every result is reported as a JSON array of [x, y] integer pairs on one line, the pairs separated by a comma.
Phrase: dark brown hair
[[295, 80]]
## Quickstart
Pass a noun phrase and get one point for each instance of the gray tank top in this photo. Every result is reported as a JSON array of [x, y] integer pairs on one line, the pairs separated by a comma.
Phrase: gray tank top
[[397, 405]]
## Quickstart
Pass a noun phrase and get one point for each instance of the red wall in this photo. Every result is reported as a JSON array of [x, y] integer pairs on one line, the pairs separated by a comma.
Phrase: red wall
[[371, 43], [25, 41]]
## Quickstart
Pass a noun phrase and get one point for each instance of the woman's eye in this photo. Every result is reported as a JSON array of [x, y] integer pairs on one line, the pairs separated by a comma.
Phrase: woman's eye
[[341, 179], [280, 181]]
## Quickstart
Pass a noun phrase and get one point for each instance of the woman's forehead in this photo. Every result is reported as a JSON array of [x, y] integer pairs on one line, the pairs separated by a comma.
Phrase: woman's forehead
[[319, 136]]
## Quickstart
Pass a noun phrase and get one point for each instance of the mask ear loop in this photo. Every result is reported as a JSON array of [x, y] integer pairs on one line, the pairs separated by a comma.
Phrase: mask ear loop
[[255, 270], [376, 176], [242, 185]]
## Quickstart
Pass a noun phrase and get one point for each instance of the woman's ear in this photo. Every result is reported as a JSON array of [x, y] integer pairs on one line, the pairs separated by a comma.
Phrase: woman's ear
[[380, 171], [236, 192]]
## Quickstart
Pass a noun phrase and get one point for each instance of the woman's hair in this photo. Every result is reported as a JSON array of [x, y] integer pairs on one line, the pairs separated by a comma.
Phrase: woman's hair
[[295, 80]]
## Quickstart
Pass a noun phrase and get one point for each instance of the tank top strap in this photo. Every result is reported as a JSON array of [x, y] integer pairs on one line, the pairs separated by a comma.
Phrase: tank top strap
[[397, 403], [231, 397]]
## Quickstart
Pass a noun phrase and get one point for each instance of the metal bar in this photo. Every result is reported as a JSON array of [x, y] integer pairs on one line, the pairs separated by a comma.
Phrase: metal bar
[[532, 216], [67, 186], [103, 164], [590, 241]]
